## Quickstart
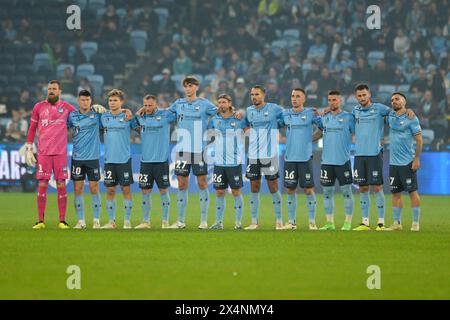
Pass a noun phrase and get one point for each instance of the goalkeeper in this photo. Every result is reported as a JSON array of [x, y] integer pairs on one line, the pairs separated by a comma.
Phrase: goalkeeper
[[49, 118]]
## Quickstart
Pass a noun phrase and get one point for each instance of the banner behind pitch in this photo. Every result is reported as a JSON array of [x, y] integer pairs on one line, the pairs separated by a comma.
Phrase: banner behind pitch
[[433, 176]]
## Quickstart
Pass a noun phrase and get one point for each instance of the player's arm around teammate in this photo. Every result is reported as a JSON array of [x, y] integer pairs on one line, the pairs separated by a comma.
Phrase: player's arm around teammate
[[404, 161], [154, 128], [228, 133], [85, 125]]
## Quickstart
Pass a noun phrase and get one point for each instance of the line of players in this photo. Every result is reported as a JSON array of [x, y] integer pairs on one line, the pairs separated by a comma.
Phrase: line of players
[[195, 115]]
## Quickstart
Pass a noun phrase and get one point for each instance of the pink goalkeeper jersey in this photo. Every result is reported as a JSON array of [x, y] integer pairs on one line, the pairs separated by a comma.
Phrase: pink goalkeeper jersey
[[51, 123]]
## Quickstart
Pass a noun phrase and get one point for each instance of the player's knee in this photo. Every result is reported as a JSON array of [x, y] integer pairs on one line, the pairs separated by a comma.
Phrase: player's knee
[[78, 189], [111, 192], [162, 191], [43, 183], [377, 188], [255, 186], [236, 192], [328, 192], [60, 184], [364, 189], [308, 191], [346, 190], [93, 188], [220, 193], [291, 190], [147, 191], [126, 191], [202, 183]]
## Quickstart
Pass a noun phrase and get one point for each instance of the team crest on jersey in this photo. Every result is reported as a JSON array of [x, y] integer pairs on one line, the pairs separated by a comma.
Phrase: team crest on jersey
[[65, 169], [60, 110], [308, 176], [158, 118], [408, 181], [126, 175], [121, 120], [303, 118], [346, 174], [197, 108], [92, 116], [341, 120], [266, 114], [375, 173], [233, 124], [372, 111], [401, 123]]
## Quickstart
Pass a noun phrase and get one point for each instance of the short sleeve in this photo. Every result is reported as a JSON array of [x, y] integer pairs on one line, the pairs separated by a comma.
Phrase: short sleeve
[[69, 121], [101, 123], [171, 117], [134, 123], [210, 124], [351, 123], [211, 109], [173, 107], [414, 126], [279, 111], [384, 110]]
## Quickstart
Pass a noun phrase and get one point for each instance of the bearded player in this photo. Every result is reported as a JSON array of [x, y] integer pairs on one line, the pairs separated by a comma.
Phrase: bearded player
[[49, 118]]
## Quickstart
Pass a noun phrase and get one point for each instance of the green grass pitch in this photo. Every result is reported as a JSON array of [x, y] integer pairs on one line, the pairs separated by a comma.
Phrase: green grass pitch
[[226, 264]]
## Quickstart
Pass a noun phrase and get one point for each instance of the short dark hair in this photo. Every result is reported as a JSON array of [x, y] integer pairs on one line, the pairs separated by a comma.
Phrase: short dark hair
[[84, 93], [299, 89], [361, 86], [334, 93], [150, 96], [260, 88], [190, 80], [400, 94], [55, 82], [224, 96]]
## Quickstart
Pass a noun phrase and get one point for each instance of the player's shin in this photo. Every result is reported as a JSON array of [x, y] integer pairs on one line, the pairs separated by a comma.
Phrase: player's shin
[[328, 202], [276, 201], [62, 200], [204, 204], [220, 208], [254, 206], [96, 205], [364, 201], [238, 208], [380, 202], [111, 209], [79, 206], [311, 205], [349, 202], [182, 200], [165, 204], [292, 207], [146, 206], [42, 199]]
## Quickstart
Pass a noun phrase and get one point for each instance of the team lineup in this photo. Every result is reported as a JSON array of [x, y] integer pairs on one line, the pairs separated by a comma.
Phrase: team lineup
[[196, 118]]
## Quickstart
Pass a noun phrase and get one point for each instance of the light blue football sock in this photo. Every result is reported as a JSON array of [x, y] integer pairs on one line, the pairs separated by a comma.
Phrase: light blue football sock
[[79, 206], [165, 205], [416, 214], [349, 202], [204, 204], [364, 201], [182, 200], [96, 205], [146, 206], [292, 208], [238, 207], [111, 208], [254, 206], [311, 205], [220, 207], [397, 212], [328, 202], [276, 201], [128, 207], [379, 200]]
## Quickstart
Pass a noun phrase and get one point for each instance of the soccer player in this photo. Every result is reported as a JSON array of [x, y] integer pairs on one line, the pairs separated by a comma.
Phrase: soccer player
[[228, 133], [117, 168], [49, 118], [263, 120], [368, 166], [154, 128], [192, 118], [337, 128], [404, 160], [85, 124], [298, 166]]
